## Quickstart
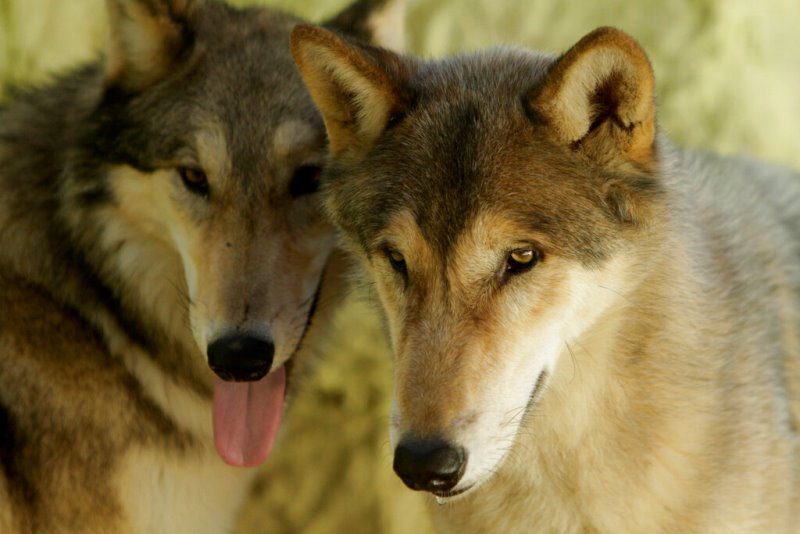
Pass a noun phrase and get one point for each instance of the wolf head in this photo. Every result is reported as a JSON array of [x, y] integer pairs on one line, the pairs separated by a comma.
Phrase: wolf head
[[492, 198], [193, 189]]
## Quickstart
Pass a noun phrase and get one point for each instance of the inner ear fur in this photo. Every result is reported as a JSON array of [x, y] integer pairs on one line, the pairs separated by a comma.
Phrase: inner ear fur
[[147, 39], [599, 97], [377, 22], [355, 87]]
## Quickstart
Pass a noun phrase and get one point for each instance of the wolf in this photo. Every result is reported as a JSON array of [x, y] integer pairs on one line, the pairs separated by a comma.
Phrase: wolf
[[594, 330], [159, 219]]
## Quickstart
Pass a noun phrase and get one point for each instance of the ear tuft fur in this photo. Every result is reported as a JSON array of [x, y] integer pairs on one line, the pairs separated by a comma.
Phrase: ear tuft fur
[[378, 22], [147, 38], [356, 88], [601, 93]]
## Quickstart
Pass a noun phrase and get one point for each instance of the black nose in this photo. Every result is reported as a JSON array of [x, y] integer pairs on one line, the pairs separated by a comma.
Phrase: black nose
[[429, 465], [241, 358]]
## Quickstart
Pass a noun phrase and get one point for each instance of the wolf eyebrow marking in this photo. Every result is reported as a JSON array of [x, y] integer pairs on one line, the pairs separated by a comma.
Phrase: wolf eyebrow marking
[[294, 134], [212, 149]]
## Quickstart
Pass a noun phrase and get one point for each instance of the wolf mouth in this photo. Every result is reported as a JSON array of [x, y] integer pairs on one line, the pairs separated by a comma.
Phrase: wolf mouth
[[541, 380], [247, 415], [452, 493], [537, 390], [534, 398]]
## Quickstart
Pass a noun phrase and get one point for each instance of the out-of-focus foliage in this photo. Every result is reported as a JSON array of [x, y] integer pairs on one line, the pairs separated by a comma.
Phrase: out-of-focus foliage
[[728, 79]]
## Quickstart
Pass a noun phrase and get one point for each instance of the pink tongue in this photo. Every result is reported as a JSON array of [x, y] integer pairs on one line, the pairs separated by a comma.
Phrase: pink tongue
[[246, 418]]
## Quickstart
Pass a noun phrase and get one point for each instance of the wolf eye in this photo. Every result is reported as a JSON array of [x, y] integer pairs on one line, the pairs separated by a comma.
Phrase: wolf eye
[[305, 180], [522, 260], [397, 261], [195, 180]]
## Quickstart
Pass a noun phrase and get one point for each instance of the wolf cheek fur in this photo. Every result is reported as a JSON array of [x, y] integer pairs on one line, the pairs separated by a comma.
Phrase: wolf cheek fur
[[644, 375], [150, 204]]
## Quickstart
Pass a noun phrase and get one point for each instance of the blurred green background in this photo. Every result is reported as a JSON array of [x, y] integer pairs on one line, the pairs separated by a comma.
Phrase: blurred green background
[[728, 79]]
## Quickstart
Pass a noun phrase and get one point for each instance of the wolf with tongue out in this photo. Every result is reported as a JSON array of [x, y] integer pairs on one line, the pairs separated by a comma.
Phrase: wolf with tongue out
[[159, 220]]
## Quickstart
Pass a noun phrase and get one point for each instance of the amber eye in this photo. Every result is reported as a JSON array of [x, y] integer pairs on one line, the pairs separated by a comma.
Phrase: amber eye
[[195, 180], [397, 261], [522, 260], [305, 180]]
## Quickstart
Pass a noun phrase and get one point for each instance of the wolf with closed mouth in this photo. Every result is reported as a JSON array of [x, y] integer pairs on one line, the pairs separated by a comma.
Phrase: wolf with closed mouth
[[158, 216], [594, 330]]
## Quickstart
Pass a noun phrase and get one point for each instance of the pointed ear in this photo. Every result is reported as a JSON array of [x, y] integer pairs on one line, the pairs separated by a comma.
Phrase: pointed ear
[[147, 39], [358, 89], [377, 22], [599, 98]]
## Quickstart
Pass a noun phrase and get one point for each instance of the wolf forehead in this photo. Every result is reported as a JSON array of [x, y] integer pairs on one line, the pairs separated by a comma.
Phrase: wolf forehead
[[235, 82], [464, 146], [245, 68]]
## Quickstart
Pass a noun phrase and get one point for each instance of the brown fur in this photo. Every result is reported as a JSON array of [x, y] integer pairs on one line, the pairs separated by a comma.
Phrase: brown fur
[[600, 95], [373, 107], [117, 270], [149, 37], [642, 376], [42, 335]]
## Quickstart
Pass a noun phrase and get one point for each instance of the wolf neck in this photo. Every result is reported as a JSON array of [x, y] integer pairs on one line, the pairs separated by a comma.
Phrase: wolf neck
[[124, 285]]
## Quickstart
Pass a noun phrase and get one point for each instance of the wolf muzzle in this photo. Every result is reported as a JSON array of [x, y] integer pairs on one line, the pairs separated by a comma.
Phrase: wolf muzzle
[[241, 358]]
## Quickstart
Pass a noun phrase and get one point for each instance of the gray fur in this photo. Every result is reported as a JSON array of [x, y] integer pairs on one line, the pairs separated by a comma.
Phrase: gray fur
[[671, 368], [77, 422]]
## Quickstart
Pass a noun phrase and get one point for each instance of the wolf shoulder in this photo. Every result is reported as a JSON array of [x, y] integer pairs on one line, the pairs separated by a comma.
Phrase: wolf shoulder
[[49, 374]]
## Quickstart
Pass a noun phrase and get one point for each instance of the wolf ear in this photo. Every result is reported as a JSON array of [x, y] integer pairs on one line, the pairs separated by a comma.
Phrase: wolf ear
[[358, 89], [378, 22], [599, 98], [148, 37]]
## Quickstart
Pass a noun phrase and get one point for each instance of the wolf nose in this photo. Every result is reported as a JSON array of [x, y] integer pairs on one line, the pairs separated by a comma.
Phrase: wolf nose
[[429, 465], [241, 358]]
